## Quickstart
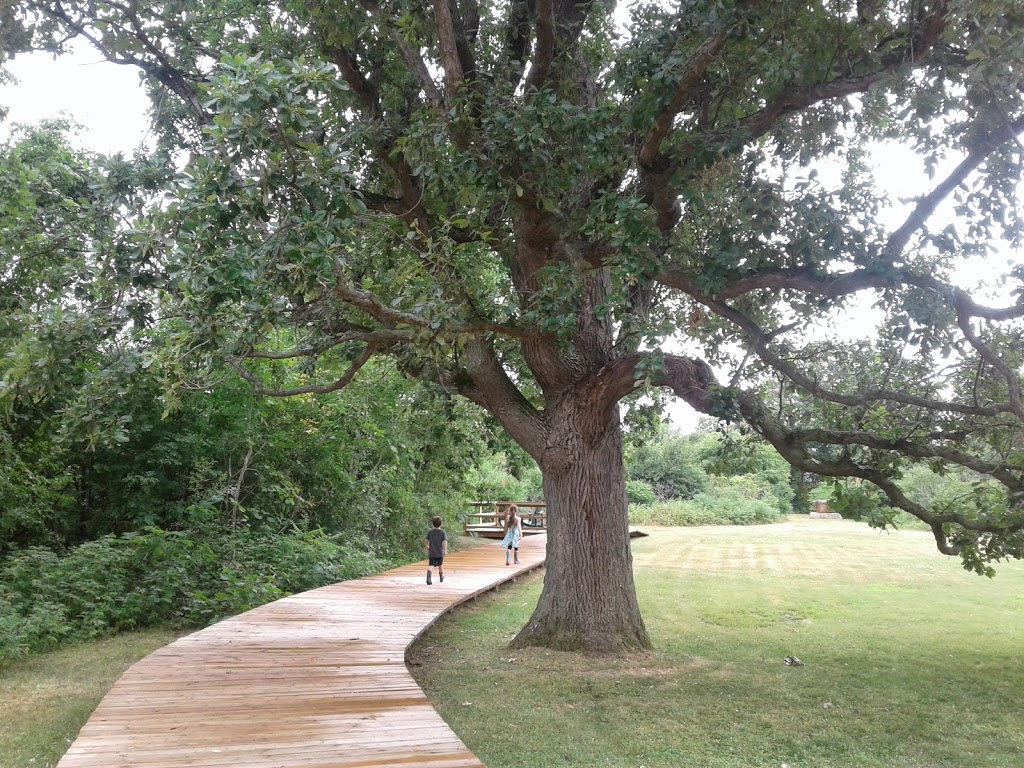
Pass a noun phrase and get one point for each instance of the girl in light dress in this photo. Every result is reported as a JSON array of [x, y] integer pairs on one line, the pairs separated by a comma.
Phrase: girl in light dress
[[513, 532]]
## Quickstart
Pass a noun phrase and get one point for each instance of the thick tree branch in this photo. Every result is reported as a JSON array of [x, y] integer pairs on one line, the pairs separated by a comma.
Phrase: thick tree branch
[[309, 389], [380, 339], [1011, 378], [694, 382], [929, 447], [378, 203], [660, 169], [797, 454], [391, 317], [545, 49], [444, 20], [517, 38], [808, 280], [464, 37], [374, 307], [164, 71], [171, 77], [500, 396], [926, 205], [705, 54], [926, 33], [360, 85], [688, 378], [449, 379], [411, 55], [559, 24], [759, 339], [419, 68], [409, 206]]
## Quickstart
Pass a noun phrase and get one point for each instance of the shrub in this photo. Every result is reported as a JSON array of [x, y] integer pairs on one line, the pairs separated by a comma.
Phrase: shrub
[[749, 460], [669, 467], [955, 489], [34, 495], [33, 627], [856, 500], [703, 510], [640, 492], [161, 577], [727, 503]]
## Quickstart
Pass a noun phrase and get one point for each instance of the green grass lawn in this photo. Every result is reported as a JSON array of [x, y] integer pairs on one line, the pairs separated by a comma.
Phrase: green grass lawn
[[909, 661], [46, 699]]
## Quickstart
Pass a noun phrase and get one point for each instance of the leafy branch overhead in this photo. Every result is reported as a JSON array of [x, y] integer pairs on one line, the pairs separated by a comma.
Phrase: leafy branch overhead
[[537, 203]]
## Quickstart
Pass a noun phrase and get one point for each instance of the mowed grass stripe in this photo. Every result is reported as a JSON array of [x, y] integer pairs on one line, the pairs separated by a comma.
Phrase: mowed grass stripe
[[909, 661], [836, 548]]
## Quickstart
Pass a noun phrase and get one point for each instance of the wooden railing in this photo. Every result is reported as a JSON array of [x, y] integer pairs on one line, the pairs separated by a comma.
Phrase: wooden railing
[[489, 519]]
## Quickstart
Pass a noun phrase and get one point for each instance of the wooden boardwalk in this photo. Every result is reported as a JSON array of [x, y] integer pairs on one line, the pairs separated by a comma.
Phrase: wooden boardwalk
[[316, 680]]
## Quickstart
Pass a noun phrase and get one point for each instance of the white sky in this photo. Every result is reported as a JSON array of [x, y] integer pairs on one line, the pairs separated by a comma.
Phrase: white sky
[[108, 100]]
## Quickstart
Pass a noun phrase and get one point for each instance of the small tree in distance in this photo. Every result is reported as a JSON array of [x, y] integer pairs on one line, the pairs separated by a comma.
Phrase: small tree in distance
[[522, 202]]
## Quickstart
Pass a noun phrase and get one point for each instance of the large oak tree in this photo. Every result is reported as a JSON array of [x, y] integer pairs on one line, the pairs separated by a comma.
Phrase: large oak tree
[[532, 202]]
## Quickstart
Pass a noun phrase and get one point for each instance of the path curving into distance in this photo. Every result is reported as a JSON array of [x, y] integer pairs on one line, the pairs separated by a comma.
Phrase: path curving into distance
[[315, 680]]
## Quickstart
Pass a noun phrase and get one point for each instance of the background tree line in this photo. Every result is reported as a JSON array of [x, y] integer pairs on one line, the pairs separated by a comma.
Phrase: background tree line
[[134, 495], [714, 477]]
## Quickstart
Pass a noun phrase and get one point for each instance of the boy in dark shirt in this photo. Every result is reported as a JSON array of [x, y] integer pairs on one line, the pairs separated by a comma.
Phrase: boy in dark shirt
[[437, 547]]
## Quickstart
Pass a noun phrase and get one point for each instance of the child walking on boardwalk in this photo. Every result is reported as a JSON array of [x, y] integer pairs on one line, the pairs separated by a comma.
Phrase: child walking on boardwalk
[[437, 547], [513, 532]]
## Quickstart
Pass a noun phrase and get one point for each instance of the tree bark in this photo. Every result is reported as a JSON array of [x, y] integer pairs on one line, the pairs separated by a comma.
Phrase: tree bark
[[589, 598]]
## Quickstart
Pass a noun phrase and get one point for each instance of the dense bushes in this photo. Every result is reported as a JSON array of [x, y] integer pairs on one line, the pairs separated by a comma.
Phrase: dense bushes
[[707, 479], [217, 506], [640, 492], [107, 428], [671, 467], [701, 479], [499, 477], [728, 501], [365, 461], [160, 577]]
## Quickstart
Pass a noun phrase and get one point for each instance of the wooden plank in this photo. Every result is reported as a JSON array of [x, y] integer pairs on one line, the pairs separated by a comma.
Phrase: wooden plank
[[315, 680]]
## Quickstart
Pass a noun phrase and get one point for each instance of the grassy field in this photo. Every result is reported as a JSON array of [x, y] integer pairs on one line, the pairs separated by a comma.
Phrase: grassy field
[[46, 699], [908, 661]]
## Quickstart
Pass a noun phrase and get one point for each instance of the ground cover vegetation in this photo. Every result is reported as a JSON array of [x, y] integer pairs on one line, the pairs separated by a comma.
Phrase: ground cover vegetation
[[908, 660], [534, 205]]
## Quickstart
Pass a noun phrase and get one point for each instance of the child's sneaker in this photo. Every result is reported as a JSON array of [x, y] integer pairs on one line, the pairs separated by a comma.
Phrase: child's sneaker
[[442, 577], [428, 578], [517, 561]]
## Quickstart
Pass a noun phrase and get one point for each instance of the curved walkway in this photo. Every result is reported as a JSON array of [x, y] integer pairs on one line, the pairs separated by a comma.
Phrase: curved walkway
[[316, 680]]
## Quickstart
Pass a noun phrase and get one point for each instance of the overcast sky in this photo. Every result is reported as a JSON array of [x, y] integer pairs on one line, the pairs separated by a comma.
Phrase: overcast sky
[[107, 99]]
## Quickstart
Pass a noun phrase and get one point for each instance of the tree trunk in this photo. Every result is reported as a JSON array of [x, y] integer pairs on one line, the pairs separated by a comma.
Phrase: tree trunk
[[589, 598]]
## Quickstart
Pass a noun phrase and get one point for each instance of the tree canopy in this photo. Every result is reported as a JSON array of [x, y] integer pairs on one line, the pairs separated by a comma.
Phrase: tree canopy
[[530, 203], [92, 440]]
